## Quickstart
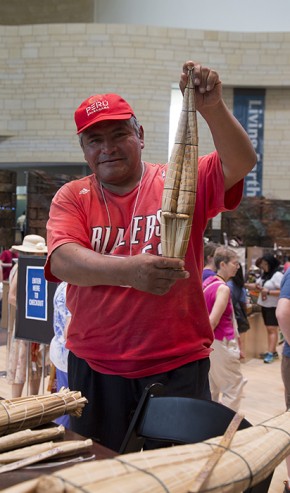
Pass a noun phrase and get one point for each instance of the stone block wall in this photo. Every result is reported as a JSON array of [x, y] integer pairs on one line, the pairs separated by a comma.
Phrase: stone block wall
[[47, 70]]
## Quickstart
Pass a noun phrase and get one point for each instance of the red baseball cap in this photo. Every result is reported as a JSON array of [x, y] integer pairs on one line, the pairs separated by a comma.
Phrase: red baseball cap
[[101, 107]]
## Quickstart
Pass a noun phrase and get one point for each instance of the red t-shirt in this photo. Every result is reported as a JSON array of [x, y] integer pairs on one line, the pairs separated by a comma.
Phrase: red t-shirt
[[120, 330]]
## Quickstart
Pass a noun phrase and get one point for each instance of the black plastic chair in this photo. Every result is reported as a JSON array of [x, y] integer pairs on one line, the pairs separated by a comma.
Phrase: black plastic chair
[[168, 420]]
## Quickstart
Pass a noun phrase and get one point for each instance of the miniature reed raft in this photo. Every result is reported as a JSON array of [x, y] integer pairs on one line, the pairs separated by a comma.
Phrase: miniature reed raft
[[253, 454], [178, 200]]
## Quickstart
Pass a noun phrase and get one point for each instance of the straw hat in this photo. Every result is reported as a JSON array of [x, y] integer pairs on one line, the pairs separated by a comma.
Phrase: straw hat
[[32, 244]]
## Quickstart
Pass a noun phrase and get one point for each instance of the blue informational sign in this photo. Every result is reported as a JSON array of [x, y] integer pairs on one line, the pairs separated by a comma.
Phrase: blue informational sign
[[36, 294], [249, 108], [34, 314]]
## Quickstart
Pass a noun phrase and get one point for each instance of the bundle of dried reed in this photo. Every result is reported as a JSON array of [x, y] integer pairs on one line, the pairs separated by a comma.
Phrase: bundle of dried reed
[[67, 448], [252, 456], [28, 437], [36, 453], [32, 411], [178, 200]]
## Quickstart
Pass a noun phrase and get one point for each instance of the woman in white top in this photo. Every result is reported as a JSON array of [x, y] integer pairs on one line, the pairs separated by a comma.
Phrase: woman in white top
[[269, 285]]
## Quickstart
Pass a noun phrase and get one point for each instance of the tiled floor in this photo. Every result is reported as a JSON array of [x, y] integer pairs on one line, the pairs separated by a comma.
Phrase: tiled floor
[[263, 397]]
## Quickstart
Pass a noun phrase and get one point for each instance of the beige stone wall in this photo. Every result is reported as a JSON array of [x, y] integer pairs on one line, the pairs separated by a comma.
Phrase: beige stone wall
[[17, 12], [47, 70]]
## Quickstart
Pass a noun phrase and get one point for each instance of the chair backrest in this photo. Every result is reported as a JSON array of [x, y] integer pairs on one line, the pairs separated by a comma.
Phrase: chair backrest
[[182, 420], [178, 420], [165, 420]]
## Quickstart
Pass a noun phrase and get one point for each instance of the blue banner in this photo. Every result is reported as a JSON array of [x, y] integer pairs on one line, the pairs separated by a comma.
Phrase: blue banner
[[36, 294], [249, 109]]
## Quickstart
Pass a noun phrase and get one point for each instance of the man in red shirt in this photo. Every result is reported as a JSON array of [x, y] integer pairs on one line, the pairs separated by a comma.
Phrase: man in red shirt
[[137, 317]]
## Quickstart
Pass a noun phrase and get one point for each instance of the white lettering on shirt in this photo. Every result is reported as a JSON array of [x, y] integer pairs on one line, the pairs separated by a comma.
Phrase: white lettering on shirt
[[106, 239]]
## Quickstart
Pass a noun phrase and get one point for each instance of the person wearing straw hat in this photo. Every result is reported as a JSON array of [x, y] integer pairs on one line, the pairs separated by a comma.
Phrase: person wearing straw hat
[[137, 317], [17, 348]]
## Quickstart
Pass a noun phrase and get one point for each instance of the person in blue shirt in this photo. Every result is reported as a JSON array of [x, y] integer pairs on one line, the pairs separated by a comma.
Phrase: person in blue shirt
[[209, 268], [283, 317], [57, 350]]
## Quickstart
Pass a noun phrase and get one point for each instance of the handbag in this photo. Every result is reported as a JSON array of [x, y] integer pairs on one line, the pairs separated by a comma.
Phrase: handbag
[[241, 317]]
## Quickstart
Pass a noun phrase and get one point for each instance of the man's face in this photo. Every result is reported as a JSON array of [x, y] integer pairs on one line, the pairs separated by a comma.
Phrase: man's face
[[112, 150]]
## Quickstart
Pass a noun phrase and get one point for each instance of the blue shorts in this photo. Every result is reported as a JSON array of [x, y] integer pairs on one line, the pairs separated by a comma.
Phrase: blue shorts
[[285, 371]]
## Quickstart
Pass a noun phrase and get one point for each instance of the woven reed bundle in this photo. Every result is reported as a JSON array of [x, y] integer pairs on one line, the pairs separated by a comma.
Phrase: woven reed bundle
[[253, 455], [70, 447], [178, 200], [28, 437], [17, 459], [32, 411]]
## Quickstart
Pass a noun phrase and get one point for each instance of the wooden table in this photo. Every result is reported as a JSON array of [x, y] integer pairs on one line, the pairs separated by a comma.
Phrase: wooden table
[[8, 479]]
